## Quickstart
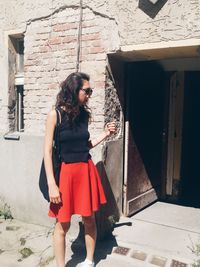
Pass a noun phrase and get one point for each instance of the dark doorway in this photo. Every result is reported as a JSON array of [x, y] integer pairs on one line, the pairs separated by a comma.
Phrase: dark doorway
[[146, 110], [145, 100], [190, 177]]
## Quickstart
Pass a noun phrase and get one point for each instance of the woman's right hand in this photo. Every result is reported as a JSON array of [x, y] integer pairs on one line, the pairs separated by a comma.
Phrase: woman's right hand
[[54, 194]]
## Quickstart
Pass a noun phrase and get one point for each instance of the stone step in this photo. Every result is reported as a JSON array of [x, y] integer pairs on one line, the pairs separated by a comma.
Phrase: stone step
[[140, 256]]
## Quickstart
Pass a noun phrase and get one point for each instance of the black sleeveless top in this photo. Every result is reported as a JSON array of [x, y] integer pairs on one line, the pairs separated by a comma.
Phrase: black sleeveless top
[[74, 139]]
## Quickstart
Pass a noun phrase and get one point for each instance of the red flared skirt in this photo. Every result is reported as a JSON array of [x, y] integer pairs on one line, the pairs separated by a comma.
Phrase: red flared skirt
[[80, 189]]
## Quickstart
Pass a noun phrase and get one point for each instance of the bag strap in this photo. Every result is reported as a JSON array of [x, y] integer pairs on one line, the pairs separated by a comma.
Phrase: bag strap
[[58, 121], [57, 132]]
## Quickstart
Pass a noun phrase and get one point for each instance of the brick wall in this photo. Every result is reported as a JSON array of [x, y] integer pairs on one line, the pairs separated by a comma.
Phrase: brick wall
[[50, 55]]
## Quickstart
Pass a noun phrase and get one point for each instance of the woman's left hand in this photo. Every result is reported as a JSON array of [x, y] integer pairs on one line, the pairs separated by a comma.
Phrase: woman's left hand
[[110, 128]]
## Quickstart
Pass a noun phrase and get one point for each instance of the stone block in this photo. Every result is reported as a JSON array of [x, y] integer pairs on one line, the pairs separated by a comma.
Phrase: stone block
[[158, 260], [139, 255]]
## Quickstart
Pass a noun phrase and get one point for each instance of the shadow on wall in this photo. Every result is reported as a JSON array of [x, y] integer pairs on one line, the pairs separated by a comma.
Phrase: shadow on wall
[[151, 9], [109, 213]]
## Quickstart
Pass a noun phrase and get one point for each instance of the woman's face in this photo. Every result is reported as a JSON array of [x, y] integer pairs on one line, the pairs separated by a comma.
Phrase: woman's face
[[83, 96]]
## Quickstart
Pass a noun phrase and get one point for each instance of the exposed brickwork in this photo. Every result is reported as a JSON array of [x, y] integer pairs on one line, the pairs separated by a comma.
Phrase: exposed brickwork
[[50, 55]]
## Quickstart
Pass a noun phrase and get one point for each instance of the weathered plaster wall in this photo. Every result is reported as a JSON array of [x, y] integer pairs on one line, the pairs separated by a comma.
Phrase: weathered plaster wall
[[115, 23], [50, 29], [176, 20]]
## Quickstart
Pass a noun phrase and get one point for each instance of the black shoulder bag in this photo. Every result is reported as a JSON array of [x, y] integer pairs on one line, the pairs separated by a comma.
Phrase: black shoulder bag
[[56, 161]]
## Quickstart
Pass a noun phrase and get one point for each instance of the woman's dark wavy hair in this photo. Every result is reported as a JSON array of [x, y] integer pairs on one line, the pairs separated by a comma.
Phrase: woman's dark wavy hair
[[68, 96]]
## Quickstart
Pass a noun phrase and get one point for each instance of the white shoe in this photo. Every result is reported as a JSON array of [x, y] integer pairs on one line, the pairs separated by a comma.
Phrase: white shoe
[[87, 263]]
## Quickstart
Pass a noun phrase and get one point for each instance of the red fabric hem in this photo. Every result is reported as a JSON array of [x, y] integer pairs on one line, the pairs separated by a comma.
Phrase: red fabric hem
[[51, 215], [81, 191]]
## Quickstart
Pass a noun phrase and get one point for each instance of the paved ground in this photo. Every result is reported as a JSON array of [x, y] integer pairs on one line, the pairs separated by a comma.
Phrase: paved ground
[[160, 235]]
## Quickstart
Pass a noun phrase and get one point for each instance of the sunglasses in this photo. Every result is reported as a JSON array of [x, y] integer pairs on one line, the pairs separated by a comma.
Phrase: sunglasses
[[88, 90]]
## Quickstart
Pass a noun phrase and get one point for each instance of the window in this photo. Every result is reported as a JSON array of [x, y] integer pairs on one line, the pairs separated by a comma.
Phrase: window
[[16, 83], [19, 83]]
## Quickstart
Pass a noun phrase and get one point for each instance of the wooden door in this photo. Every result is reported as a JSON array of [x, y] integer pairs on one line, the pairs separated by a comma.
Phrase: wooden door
[[143, 135], [174, 139]]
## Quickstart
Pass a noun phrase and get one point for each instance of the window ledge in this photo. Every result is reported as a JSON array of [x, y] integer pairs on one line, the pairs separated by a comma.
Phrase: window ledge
[[12, 136]]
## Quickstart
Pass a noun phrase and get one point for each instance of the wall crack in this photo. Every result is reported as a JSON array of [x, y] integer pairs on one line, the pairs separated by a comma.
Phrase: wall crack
[[66, 7]]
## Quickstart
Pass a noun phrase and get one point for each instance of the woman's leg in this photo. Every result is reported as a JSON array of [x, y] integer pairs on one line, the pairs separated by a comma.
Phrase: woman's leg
[[60, 231], [90, 236]]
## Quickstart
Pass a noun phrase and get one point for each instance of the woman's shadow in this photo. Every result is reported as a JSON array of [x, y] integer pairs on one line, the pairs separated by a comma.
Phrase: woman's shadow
[[106, 220], [103, 248]]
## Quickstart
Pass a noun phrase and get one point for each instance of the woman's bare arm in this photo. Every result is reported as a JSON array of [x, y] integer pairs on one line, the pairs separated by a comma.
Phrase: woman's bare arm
[[110, 128], [54, 194], [48, 143]]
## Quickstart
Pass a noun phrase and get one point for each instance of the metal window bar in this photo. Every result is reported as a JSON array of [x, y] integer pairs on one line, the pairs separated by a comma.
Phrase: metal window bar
[[20, 108]]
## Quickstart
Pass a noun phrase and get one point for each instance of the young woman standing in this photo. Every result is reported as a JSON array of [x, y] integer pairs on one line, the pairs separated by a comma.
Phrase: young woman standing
[[80, 190]]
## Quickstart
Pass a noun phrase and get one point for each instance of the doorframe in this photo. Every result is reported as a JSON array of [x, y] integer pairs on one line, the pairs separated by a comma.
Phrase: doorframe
[[126, 146], [144, 52], [174, 137]]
